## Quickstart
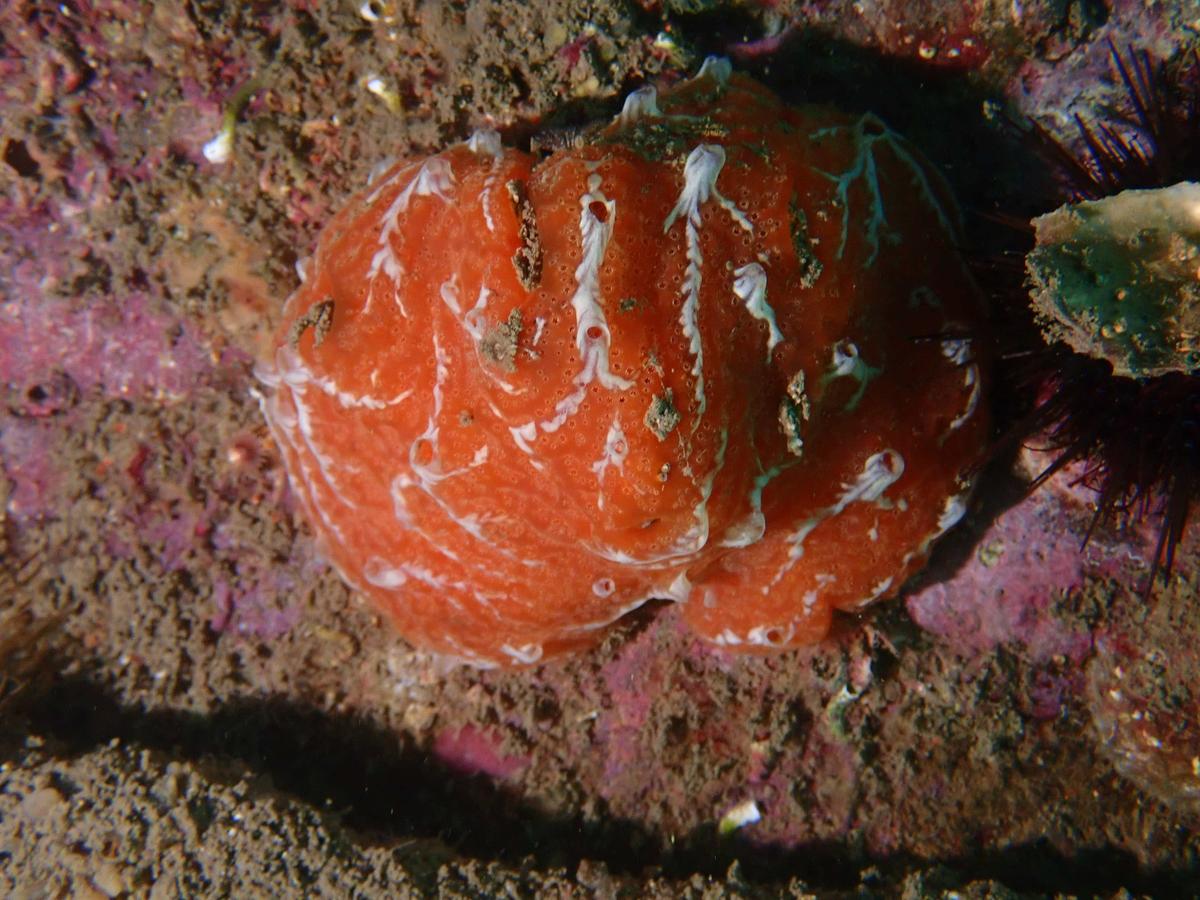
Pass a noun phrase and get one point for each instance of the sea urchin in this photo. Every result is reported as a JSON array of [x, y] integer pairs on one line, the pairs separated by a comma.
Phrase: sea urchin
[[1114, 281]]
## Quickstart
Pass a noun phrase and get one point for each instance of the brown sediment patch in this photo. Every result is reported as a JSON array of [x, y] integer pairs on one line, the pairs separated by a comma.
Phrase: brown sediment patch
[[528, 258], [499, 343], [319, 318]]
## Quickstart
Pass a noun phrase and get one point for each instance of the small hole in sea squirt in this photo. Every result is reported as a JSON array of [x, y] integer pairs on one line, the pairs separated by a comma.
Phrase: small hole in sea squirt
[[774, 636], [423, 452], [594, 333], [599, 210]]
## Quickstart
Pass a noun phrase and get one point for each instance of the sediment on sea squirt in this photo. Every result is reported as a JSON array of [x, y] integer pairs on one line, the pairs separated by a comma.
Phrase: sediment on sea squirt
[[687, 359]]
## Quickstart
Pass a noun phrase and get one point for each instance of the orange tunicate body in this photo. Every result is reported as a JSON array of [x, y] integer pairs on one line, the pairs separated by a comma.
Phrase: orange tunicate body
[[719, 354]]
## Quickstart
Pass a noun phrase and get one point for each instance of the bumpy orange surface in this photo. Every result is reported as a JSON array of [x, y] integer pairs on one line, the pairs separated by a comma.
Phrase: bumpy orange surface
[[719, 354]]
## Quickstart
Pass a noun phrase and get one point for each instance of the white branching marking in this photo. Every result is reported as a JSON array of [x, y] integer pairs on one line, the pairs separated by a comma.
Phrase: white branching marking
[[718, 68], [564, 409], [700, 172], [953, 510], [473, 324], [290, 368], [485, 202], [688, 545], [643, 102], [679, 590], [363, 401], [486, 142], [522, 435], [472, 321], [750, 286], [592, 336], [958, 351], [616, 449], [316, 473], [291, 371], [448, 291], [423, 452], [809, 601], [325, 462], [869, 132], [434, 178], [403, 516], [526, 654], [878, 590], [696, 537], [461, 656], [879, 472], [385, 261], [380, 169], [750, 530], [640, 104], [426, 467], [847, 362], [383, 574], [282, 425]]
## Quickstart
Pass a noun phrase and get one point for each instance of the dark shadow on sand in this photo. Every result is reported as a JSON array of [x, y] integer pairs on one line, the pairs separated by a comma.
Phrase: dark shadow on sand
[[388, 792]]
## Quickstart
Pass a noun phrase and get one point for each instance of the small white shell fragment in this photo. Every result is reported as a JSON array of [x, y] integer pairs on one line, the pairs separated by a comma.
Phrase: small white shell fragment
[[220, 148], [375, 84], [745, 813], [664, 41]]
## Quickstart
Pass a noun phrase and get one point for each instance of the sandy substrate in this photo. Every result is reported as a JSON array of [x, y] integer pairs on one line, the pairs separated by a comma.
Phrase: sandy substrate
[[192, 704]]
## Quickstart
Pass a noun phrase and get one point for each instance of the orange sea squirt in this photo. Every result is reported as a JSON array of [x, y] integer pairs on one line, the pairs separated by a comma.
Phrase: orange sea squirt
[[721, 353]]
